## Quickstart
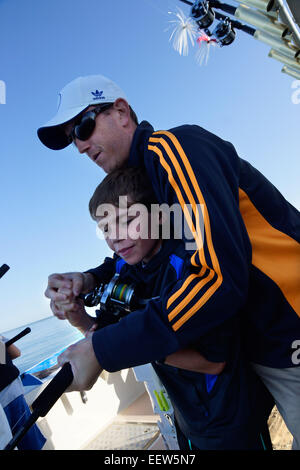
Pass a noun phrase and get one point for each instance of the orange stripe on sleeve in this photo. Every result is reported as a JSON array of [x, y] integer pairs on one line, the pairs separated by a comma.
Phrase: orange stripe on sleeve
[[196, 187], [216, 268]]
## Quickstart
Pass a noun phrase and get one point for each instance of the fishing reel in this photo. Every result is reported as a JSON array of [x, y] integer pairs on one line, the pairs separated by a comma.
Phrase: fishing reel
[[224, 32], [203, 14], [116, 298]]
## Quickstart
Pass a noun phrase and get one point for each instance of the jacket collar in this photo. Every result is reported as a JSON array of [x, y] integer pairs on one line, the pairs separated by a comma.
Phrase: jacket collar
[[140, 137], [168, 247]]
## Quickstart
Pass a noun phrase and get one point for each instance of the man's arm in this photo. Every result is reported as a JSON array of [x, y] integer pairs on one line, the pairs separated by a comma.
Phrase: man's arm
[[86, 367], [199, 171]]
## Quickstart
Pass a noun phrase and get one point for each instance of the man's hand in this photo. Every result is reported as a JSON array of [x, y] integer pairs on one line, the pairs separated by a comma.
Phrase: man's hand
[[85, 367]]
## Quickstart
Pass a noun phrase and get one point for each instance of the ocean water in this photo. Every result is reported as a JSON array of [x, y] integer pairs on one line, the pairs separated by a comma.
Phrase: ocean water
[[47, 337]]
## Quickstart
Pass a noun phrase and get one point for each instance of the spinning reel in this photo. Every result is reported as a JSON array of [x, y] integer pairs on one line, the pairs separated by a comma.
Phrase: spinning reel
[[115, 298]]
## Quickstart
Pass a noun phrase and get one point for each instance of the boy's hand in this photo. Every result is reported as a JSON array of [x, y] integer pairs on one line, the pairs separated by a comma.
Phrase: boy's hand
[[70, 285], [63, 290], [74, 312], [85, 367]]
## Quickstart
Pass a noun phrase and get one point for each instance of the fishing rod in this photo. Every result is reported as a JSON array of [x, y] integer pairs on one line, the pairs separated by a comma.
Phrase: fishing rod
[[49, 395], [17, 337], [4, 268]]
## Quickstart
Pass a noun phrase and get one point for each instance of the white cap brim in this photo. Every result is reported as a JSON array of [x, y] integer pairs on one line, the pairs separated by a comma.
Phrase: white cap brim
[[52, 135], [74, 98]]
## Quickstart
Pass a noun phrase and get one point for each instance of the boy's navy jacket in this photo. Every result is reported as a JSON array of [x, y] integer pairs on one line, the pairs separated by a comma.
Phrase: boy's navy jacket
[[214, 411], [245, 257]]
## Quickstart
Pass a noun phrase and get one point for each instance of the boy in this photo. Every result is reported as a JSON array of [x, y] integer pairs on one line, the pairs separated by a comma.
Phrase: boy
[[219, 403]]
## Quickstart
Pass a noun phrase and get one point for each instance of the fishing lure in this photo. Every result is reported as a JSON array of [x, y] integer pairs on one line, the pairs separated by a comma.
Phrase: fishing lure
[[185, 30], [204, 42]]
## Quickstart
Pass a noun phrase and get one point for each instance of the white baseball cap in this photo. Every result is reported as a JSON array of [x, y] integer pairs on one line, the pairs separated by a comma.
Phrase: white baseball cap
[[74, 98]]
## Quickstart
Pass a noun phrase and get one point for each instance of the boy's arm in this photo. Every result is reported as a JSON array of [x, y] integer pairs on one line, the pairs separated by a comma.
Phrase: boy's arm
[[191, 359], [67, 286], [63, 290], [75, 313]]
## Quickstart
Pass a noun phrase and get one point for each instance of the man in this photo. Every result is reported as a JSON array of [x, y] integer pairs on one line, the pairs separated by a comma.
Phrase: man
[[246, 253]]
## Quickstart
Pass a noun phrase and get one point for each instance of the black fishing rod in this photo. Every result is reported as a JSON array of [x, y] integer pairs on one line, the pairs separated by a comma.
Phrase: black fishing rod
[[17, 337], [49, 395], [4, 268], [44, 402]]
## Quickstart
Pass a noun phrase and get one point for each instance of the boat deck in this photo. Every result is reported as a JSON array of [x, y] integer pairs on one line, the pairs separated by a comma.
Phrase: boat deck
[[117, 414], [134, 428]]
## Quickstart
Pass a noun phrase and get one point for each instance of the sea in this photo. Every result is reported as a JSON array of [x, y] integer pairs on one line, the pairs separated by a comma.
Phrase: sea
[[47, 337]]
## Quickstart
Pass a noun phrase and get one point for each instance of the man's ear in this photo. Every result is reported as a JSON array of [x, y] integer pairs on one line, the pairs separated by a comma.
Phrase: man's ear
[[123, 109]]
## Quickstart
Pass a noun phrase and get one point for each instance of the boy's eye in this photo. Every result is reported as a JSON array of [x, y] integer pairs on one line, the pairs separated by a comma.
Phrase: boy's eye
[[126, 222], [103, 227]]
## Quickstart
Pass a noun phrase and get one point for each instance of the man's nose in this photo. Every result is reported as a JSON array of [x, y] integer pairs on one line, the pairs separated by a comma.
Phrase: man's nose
[[82, 145]]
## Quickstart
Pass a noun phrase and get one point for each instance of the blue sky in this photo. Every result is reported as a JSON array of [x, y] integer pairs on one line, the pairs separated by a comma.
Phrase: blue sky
[[240, 95]]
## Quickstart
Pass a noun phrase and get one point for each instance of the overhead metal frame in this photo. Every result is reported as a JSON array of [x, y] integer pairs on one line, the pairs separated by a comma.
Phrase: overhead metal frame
[[274, 22]]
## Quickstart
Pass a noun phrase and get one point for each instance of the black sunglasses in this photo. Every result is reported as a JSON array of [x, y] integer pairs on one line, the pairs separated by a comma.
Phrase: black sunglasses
[[83, 129]]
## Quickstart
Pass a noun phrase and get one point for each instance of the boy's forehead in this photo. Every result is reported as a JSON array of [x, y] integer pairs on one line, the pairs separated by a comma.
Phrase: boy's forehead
[[109, 213], [112, 214]]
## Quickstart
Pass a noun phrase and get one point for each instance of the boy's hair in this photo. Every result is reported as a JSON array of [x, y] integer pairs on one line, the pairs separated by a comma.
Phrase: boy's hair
[[131, 182]]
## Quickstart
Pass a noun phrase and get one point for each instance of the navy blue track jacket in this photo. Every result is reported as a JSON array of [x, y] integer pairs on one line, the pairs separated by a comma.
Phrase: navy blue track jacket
[[246, 258], [225, 411]]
